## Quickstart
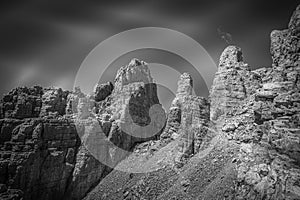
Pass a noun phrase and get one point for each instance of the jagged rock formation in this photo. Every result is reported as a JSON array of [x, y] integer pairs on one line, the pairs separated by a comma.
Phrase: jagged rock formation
[[185, 85], [188, 118], [265, 119], [22, 103], [269, 165], [135, 71], [46, 149], [242, 143], [103, 90], [37, 157], [232, 84], [255, 153], [122, 120]]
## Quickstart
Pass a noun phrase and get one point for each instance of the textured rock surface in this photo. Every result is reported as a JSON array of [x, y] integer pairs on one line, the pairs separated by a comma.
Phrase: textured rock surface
[[49, 147], [232, 84], [103, 90], [269, 166], [188, 118], [37, 157], [51, 140], [255, 152], [135, 71], [265, 121], [123, 119], [21, 103], [54, 101]]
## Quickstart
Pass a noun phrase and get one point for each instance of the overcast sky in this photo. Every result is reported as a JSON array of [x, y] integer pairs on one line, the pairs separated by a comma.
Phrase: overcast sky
[[44, 42]]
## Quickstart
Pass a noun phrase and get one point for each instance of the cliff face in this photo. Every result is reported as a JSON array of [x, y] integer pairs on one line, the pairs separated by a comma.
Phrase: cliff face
[[260, 109], [46, 149], [187, 119], [241, 143], [250, 124], [268, 164], [37, 148]]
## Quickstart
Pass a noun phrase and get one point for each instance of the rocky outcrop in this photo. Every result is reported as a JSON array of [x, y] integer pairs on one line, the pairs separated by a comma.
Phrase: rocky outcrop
[[130, 115], [38, 145], [232, 84], [103, 90], [265, 121], [22, 103], [187, 119], [194, 124], [185, 85], [142, 116], [54, 101], [135, 71], [255, 153], [37, 158], [57, 144]]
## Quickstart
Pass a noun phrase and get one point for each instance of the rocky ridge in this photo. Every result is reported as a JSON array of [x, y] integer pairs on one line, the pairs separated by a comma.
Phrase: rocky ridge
[[254, 151], [241, 143], [264, 118], [47, 149]]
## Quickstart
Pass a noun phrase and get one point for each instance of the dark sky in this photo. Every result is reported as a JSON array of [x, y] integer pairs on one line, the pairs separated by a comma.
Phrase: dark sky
[[44, 42]]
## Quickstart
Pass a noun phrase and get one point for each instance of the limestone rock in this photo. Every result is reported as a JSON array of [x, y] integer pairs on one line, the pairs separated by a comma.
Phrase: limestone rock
[[103, 90], [185, 84], [32, 150], [87, 172], [135, 71], [22, 103], [230, 84], [73, 100], [56, 144], [83, 108], [54, 101], [294, 25], [268, 165], [187, 119], [131, 114], [134, 103]]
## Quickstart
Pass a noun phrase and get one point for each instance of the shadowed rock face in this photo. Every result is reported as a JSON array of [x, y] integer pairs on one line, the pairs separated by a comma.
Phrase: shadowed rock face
[[22, 103], [103, 90], [47, 135]]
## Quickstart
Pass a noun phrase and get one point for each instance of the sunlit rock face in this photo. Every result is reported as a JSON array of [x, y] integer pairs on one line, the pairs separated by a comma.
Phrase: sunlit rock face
[[185, 85], [187, 119], [294, 24], [135, 71], [266, 123], [129, 114], [134, 104], [233, 82], [54, 101]]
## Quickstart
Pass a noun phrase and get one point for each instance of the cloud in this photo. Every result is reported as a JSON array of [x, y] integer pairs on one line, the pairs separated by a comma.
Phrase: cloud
[[58, 35]]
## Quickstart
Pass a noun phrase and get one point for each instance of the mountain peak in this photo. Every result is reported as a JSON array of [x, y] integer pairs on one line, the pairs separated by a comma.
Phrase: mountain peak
[[135, 71], [231, 56], [185, 84]]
